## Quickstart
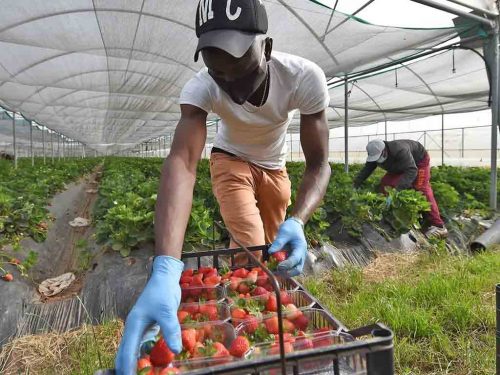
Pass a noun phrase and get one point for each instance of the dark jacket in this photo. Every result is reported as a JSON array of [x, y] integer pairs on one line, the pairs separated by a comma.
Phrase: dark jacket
[[402, 158]]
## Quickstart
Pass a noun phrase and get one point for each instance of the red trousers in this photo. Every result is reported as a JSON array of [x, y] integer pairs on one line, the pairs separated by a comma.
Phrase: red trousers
[[421, 183]]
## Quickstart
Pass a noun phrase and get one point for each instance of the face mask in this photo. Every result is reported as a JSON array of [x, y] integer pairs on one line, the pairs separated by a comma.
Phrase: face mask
[[241, 90], [381, 159]]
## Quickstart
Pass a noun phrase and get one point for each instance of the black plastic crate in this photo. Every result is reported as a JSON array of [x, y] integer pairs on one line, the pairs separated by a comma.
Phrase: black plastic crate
[[369, 351]]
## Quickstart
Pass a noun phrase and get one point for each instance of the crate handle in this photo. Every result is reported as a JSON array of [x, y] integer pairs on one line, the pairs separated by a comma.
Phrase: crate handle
[[276, 287]]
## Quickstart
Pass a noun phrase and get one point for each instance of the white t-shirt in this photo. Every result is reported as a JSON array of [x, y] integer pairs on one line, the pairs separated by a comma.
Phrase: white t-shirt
[[258, 134]]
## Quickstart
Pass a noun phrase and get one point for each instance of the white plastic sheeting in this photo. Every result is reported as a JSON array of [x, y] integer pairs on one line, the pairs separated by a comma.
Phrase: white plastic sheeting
[[108, 72]]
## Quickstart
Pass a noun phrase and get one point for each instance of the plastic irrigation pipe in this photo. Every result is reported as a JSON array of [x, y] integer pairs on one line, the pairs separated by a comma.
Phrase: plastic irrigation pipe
[[489, 237], [276, 288]]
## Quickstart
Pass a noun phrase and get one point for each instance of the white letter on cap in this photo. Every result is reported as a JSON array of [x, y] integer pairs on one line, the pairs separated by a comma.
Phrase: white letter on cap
[[206, 11], [234, 16]]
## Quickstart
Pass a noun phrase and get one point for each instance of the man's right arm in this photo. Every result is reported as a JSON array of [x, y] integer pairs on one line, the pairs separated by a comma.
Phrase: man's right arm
[[159, 301], [175, 195], [364, 173]]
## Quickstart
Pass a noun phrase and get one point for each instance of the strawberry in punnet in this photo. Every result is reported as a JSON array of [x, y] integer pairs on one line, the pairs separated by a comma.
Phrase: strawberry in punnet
[[188, 339], [220, 350], [275, 348], [209, 310], [161, 355], [186, 280], [259, 291], [272, 325], [239, 346], [198, 350], [241, 273], [252, 277], [234, 282], [263, 281], [183, 316], [144, 363], [251, 324], [292, 312], [212, 280], [288, 326], [301, 322], [188, 272], [285, 297], [238, 313], [243, 288], [8, 277], [272, 304]]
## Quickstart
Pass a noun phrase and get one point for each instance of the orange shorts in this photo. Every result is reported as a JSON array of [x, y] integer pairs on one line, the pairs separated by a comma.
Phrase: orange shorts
[[252, 200]]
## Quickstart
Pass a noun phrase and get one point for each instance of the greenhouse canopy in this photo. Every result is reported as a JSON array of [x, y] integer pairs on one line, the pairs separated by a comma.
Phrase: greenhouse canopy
[[108, 73]]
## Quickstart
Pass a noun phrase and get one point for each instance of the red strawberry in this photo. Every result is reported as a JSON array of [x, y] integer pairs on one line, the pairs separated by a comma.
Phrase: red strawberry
[[240, 272], [182, 315], [259, 291], [198, 350], [8, 277], [252, 277], [285, 297], [186, 280], [238, 313], [161, 355], [262, 280], [197, 280], [292, 312], [143, 363], [239, 346], [275, 348], [243, 288], [188, 272], [287, 337], [188, 339], [251, 324], [206, 270], [301, 322], [288, 326], [212, 280], [220, 350], [192, 308], [234, 282], [272, 325], [210, 311], [280, 256], [271, 304]]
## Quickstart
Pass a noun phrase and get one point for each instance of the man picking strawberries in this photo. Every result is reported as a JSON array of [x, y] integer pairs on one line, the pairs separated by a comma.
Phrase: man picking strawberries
[[255, 92]]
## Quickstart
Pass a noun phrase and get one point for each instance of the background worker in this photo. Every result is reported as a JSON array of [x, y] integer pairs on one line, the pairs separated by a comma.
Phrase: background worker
[[255, 93], [408, 167]]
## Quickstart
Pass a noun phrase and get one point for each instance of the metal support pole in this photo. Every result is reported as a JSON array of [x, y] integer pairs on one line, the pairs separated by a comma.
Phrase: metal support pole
[[449, 9], [494, 68], [31, 145], [463, 143], [425, 139], [442, 138], [291, 147], [346, 131], [14, 138], [58, 147], [385, 131], [43, 144], [52, 146]]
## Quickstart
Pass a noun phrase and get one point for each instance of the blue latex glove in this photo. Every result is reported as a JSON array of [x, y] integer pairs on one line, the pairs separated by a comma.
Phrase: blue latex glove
[[291, 238], [158, 303]]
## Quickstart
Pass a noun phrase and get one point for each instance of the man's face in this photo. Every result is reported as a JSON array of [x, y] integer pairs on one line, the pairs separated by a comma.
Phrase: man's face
[[238, 77]]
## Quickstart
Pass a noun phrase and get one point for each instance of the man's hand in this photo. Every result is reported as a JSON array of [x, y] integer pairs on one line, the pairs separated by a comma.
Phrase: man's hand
[[158, 303], [291, 238]]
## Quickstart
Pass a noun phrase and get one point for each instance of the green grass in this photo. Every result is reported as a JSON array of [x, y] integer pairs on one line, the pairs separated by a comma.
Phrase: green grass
[[440, 308]]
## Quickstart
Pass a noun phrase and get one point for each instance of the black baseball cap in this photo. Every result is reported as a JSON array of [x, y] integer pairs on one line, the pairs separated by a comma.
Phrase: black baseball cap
[[230, 25]]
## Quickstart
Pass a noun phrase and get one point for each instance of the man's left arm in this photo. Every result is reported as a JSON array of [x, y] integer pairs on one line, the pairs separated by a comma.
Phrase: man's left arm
[[314, 140], [314, 135]]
